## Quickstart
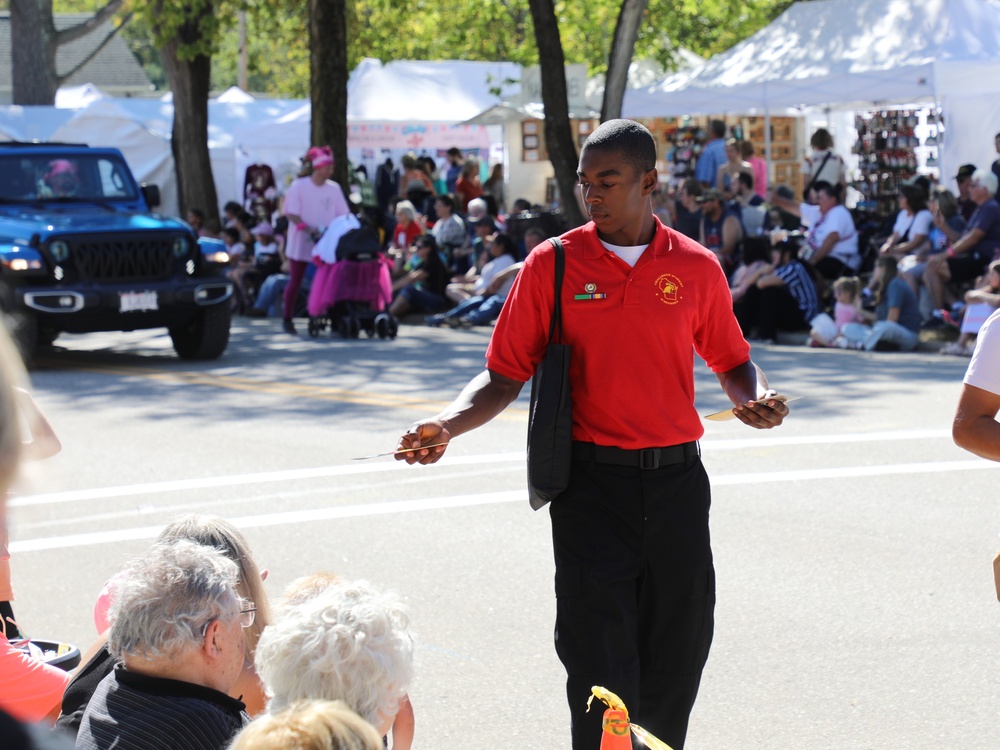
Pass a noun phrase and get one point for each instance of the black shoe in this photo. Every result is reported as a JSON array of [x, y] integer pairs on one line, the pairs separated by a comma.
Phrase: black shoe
[[288, 326]]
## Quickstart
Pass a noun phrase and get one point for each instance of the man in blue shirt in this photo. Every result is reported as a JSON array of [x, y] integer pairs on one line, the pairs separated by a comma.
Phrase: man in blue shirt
[[713, 155]]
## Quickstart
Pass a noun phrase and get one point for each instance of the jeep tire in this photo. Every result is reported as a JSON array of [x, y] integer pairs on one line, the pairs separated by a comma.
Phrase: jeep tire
[[207, 336]]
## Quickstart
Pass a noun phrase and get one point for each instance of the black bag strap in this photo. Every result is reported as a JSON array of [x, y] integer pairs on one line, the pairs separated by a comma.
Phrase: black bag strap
[[819, 171], [555, 327]]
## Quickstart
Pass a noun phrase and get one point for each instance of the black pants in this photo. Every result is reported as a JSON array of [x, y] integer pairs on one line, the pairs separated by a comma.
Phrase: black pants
[[635, 591], [768, 310]]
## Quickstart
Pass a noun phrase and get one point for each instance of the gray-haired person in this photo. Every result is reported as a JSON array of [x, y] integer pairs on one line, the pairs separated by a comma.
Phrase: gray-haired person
[[177, 629]]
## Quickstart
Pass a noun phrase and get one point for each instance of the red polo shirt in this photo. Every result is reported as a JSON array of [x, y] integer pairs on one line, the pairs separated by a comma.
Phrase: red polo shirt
[[634, 333]]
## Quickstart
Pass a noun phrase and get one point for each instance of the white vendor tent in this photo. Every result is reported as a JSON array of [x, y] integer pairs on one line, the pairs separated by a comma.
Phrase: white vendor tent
[[393, 108], [856, 54]]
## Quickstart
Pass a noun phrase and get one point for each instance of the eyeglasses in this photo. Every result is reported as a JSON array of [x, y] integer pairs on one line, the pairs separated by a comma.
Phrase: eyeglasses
[[248, 611]]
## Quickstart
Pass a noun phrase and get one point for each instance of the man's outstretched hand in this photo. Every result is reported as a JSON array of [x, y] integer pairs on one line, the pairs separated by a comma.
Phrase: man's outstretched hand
[[410, 447]]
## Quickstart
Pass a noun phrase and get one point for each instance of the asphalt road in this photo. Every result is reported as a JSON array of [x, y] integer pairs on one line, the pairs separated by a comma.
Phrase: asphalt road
[[853, 544]]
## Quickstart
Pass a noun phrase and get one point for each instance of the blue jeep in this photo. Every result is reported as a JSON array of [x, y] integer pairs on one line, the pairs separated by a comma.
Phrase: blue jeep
[[82, 251]]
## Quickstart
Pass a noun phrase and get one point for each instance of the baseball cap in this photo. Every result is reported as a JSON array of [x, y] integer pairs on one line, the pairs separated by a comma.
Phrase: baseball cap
[[263, 230], [711, 194], [320, 156], [965, 171]]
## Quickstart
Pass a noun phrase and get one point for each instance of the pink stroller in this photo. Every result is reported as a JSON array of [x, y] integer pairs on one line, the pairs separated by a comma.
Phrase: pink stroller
[[353, 293]]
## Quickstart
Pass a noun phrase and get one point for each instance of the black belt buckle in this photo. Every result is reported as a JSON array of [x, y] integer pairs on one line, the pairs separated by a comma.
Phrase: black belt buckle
[[649, 458]]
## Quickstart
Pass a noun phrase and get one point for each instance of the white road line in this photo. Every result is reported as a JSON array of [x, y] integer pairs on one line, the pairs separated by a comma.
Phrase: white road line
[[287, 475], [461, 501]]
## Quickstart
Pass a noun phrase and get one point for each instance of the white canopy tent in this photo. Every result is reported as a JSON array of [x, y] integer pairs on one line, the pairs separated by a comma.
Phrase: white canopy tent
[[392, 108], [855, 54]]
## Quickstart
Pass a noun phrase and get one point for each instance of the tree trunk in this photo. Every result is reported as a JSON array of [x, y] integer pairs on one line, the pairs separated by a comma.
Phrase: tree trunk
[[190, 83], [33, 55], [559, 138], [622, 48], [328, 81]]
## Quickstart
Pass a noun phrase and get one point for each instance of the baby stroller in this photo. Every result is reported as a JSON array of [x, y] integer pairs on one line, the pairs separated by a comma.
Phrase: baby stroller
[[353, 293]]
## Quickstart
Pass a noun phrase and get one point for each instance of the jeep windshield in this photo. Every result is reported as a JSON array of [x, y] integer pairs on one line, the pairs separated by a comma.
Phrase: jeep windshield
[[75, 177]]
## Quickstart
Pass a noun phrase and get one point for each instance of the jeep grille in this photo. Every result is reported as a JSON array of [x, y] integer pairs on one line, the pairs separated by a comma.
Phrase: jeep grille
[[123, 259]]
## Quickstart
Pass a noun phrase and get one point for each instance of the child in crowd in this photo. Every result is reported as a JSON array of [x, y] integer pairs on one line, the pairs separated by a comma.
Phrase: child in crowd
[[980, 304], [309, 725], [846, 309]]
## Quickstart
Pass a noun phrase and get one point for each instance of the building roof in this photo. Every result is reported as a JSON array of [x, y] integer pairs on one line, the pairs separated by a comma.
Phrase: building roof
[[114, 69]]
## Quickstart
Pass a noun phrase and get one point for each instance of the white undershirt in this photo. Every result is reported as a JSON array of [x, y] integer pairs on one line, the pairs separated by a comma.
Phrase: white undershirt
[[630, 253]]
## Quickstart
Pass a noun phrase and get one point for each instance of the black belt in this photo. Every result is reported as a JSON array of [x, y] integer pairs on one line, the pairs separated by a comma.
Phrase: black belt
[[646, 458]]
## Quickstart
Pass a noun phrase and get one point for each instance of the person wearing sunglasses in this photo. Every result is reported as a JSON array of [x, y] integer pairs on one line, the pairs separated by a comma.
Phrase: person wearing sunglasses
[[177, 634]]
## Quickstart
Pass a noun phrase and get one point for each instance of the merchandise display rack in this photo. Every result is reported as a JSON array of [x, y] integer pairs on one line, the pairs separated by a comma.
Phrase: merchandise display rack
[[894, 146]]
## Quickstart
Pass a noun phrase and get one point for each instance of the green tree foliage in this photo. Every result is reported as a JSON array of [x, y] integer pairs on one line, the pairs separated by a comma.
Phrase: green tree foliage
[[446, 30]]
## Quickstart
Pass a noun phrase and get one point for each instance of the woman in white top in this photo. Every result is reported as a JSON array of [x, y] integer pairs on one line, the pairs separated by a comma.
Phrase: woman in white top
[[832, 239], [912, 227]]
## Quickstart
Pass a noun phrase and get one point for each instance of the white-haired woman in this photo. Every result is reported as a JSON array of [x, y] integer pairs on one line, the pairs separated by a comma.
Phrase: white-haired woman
[[968, 258], [349, 642]]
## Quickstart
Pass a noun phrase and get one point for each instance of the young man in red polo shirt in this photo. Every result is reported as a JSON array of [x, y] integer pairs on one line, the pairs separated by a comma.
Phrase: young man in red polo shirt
[[635, 584]]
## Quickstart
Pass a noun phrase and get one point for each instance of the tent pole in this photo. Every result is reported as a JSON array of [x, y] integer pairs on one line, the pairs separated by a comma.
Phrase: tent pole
[[767, 144]]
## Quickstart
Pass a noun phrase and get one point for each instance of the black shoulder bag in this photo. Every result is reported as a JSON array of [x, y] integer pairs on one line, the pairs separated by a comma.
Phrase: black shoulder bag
[[550, 415]]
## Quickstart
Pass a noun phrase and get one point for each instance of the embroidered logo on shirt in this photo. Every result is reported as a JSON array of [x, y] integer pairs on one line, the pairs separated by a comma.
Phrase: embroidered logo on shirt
[[670, 289], [591, 292]]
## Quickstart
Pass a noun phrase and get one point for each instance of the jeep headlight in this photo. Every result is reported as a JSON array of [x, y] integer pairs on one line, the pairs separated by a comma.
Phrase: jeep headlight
[[219, 256], [181, 247], [59, 250], [22, 260]]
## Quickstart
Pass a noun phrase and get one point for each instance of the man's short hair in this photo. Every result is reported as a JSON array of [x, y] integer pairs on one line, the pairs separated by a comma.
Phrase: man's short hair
[[987, 179], [718, 128], [628, 138], [746, 178], [349, 643], [164, 600]]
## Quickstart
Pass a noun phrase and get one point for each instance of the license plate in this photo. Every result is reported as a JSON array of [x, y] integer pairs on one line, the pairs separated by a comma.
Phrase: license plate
[[138, 301]]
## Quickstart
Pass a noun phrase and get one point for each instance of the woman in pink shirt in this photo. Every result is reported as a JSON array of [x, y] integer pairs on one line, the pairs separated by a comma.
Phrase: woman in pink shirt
[[311, 204], [759, 168], [30, 689]]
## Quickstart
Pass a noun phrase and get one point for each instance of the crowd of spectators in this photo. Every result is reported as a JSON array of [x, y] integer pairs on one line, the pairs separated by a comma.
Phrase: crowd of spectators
[[441, 230], [795, 260]]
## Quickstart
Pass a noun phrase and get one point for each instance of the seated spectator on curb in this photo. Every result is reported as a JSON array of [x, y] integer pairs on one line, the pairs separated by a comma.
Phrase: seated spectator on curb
[[488, 297], [756, 259], [177, 627], [975, 427], [782, 297], [347, 642], [449, 229], [979, 305], [210, 531], [968, 258], [408, 226], [309, 725], [720, 231], [832, 239], [912, 227], [269, 296], [963, 180], [896, 318], [29, 688], [948, 226], [422, 287]]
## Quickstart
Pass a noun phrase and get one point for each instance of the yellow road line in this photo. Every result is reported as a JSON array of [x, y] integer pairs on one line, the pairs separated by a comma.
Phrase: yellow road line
[[284, 388]]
